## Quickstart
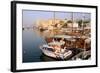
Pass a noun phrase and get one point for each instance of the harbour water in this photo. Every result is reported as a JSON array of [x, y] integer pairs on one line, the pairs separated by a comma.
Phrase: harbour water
[[31, 41]]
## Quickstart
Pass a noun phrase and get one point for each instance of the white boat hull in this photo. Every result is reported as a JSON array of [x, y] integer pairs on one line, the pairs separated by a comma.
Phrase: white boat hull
[[64, 55]]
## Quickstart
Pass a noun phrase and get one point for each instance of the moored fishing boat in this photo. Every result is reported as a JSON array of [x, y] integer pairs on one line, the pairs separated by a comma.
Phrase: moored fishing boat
[[65, 48], [53, 49], [49, 51]]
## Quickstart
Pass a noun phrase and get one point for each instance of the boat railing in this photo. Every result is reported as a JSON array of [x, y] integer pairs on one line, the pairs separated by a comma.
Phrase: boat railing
[[82, 54]]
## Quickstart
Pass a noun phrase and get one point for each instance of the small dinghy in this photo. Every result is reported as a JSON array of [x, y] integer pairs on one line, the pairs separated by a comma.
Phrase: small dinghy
[[49, 51]]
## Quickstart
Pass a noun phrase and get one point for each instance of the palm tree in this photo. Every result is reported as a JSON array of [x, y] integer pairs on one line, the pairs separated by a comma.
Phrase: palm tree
[[80, 23]]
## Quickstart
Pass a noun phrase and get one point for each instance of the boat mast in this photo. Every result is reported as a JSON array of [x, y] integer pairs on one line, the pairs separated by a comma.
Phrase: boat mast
[[72, 29], [72, 22], [83, 23], [54, 18], [54, 23], [83, 34]]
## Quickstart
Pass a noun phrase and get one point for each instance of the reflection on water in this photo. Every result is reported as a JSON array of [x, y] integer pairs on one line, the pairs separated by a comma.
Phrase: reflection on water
[[31, 41], [46, 58]]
